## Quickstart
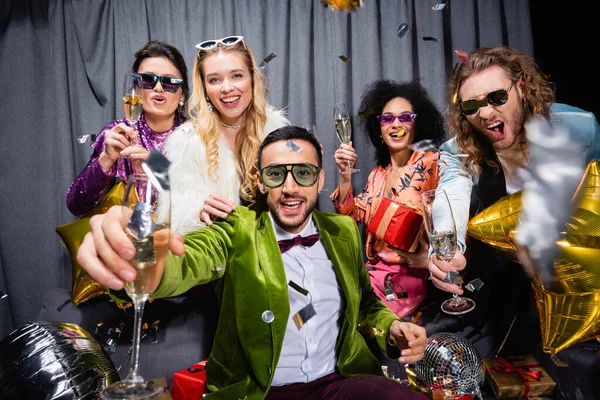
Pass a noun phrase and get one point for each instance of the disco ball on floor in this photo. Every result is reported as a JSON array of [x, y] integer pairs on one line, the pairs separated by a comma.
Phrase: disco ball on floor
[[451, 365]]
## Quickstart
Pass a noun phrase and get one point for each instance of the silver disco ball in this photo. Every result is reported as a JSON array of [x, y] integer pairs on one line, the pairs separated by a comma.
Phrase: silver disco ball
[[452, 365]]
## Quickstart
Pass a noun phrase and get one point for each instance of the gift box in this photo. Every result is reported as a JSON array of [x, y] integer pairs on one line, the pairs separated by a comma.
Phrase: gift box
[[518, 377], [397, 224], [190, 383]]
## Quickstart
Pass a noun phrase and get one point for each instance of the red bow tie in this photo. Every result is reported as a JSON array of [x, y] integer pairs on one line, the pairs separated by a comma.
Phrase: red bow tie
[[308, 241]]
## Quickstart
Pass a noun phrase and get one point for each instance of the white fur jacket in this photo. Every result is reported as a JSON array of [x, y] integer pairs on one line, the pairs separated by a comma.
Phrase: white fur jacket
[[188, 173]]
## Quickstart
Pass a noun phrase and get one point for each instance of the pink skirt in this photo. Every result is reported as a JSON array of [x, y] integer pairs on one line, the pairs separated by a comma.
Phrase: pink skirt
[[404, 279]]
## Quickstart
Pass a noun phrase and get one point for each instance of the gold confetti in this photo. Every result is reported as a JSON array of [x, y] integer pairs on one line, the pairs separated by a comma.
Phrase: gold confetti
[[344, 59], [366, 113]]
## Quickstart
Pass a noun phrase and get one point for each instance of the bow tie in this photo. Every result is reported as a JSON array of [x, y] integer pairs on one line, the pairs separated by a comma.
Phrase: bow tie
[[308, 241]]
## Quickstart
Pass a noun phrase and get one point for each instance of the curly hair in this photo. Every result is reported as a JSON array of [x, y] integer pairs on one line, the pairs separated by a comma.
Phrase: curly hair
[[157, 49], [538, 94], [206, 122], [428, 125]]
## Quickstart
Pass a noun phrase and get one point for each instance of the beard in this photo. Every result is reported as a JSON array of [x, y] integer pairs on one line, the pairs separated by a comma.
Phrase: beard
[[294, 222]]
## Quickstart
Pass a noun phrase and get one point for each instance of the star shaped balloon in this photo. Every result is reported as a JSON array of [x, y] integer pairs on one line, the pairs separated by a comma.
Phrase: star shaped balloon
[[570, 313], [72, 234]]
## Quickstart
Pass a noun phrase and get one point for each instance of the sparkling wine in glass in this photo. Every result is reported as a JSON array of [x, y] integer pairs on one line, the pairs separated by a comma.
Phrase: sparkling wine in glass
[[132, 97], [343, 130], [150, 236], [441, 229]]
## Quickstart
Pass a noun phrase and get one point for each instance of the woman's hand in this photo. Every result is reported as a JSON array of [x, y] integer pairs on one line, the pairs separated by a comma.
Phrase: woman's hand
[[217, 206], [116, 140], [420, 259], [137, 154], [344, 154]]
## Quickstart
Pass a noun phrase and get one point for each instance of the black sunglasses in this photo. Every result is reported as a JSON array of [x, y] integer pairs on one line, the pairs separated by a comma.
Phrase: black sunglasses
[[304, 174], [169, 84], [496, 98]]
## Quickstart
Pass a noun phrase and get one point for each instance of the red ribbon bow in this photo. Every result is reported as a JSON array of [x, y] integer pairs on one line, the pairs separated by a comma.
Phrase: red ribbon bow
[[523, 371], [307, 241]]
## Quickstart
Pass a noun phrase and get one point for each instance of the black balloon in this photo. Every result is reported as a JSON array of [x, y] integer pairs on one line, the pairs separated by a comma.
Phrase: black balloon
[[58, 361]]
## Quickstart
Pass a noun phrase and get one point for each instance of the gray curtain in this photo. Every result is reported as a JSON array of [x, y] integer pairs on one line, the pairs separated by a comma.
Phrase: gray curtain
[[62, 63]]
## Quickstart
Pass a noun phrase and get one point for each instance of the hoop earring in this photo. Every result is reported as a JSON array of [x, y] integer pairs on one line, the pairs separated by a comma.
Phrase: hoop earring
[[210, 106], [181, 108]]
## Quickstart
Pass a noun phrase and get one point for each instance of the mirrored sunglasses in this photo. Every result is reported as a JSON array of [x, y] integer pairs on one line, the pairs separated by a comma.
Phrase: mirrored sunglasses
[[169, 84], [226, 41], [496, 98], [304, 174], [388, 119]]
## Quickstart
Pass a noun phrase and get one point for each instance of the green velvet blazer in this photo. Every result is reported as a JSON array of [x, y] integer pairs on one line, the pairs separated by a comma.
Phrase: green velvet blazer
[[242, 253]]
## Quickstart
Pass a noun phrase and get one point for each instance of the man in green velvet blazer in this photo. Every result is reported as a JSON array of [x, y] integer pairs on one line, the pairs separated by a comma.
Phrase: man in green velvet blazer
[[242, 254]]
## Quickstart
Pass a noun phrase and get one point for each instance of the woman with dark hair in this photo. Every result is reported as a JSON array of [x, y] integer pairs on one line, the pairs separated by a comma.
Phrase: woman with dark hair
[[398, 115], [120, 148]]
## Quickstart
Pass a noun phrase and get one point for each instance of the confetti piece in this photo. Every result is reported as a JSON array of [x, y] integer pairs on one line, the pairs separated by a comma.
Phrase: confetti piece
[[2, 294], [463, 56], [438, 7], [344, 59], [474, 285], [422, 146], [417, 317], [302, 316], [402, 30], [430, 39], [86, 138], [298, 288], [437, 318], [266, 60], [366, 113], [293, 146]]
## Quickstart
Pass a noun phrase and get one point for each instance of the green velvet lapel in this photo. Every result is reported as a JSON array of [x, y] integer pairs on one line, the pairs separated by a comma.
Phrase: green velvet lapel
[[276, 286], [340, 253]]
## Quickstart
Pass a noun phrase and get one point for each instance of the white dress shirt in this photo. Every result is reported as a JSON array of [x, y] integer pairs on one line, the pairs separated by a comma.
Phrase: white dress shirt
[[308, 353]]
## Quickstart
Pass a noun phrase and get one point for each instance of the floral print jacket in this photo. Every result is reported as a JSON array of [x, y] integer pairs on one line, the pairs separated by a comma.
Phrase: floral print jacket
[[418, 175]]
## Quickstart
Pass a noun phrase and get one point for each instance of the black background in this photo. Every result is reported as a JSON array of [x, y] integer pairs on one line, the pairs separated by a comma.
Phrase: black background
[[565, 39]]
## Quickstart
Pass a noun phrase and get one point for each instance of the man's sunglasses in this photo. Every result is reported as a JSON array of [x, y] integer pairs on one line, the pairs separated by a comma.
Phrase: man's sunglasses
[[226, 41], [496, 98], [388, 119], [304, 174], [169, 84]]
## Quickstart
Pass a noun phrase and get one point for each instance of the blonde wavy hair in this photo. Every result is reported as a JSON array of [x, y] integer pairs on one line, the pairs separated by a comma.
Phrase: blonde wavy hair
[[207, 122], [538, 94]]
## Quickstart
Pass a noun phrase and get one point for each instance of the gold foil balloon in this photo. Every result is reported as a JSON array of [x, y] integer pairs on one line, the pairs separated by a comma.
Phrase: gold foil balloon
[[72, 234], [343, 5], [570, 313]]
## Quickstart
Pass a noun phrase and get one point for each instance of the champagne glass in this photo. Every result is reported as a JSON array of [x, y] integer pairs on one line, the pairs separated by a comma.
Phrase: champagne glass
[[132, 97], [441, 229], [343, 130], [149, 231]]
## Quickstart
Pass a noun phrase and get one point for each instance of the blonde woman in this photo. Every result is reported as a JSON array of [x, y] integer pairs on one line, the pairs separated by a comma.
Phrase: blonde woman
[[214, 154]]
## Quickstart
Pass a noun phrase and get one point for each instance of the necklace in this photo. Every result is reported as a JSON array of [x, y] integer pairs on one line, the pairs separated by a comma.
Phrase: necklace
[[231, 126]]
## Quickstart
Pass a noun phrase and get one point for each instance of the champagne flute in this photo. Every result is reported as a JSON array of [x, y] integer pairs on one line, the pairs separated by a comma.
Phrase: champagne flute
[[150, 236], [343, 130], [132, 97], [441, 229]]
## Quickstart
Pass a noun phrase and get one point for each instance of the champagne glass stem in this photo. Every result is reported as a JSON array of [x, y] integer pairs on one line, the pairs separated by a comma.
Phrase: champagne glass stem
[[349, 165], [134, 374]]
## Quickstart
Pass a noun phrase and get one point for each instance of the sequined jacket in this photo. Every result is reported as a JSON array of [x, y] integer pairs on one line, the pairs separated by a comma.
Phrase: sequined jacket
[[242, 254]]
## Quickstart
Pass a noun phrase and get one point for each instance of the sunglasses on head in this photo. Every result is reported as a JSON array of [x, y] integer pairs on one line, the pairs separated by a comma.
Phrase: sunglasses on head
[[388, 119], [226, 41], [304, 174], [496, 98], [169, 84]]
